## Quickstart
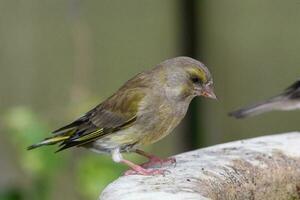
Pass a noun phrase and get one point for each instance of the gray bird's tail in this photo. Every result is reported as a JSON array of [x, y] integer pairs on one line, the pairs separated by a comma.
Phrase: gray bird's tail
[[259, 108], [288, 100]]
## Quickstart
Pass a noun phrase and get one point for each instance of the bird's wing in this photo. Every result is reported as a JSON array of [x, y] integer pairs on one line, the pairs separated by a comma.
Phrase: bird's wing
[[116, 113]]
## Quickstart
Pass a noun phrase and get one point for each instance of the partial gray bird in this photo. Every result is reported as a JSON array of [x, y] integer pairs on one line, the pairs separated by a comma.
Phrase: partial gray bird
[[289, 99]]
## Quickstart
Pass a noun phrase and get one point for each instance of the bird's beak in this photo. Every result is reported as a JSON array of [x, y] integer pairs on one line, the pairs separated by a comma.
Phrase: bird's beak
[[209, 92]]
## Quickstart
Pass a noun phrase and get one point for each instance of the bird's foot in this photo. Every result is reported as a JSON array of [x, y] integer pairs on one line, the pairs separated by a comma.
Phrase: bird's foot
[[146, 172], [139, 170], [154, 161], [158, 162]]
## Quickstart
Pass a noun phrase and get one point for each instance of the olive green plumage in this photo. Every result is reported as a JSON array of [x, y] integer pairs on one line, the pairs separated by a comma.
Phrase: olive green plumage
[[144, 110]]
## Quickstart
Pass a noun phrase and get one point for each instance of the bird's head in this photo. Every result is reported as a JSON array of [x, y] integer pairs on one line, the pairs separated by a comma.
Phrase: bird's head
[[187, 77]]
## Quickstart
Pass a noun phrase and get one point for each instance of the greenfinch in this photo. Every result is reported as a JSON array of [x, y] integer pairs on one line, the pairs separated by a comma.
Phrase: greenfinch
[[289, 99], [144, 110]]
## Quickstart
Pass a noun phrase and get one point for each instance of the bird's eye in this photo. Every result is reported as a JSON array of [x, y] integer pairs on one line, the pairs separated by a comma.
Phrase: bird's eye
[[196, 80]]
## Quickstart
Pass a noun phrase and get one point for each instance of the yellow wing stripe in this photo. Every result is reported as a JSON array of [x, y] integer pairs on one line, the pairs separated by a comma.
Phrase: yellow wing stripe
[[101, 132], [90, 135]]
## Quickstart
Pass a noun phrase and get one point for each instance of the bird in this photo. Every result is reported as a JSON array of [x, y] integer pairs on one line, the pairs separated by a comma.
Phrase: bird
[[142, 111], [289, 99]]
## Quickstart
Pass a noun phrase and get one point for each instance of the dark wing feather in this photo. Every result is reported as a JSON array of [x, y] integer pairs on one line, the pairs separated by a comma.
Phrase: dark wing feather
[[293, 91], [294, 86], [117, 112], [71, 126]]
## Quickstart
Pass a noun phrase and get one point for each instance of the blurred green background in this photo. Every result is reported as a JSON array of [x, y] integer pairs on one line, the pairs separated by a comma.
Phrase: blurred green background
[[60, 58]]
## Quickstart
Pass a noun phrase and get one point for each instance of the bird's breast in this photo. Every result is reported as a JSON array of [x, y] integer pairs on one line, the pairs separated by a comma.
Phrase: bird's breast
[[160, 120], [159, 131]]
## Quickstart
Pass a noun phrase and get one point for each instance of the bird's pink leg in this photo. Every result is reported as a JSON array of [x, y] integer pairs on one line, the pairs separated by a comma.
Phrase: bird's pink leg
[[154, 160], [137, 169]]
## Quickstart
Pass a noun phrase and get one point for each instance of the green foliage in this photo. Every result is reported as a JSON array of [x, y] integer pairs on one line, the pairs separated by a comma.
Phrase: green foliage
[[25, 128], [38, 166], [42, 167], [94, 173], [11, 194]]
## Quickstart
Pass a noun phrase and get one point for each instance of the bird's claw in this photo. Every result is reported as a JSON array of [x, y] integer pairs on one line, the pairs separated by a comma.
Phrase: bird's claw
[[147, 172], [155, 161]]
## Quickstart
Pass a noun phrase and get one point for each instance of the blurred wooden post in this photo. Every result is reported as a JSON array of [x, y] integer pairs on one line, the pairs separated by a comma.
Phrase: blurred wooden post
[[260, 168]]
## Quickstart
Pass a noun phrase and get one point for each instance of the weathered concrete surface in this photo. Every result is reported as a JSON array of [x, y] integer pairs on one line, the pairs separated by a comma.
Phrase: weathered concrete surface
[[256, 169]]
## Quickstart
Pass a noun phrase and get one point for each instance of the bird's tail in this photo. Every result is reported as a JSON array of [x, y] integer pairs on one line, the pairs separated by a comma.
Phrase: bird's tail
[[259, 108], [49, 141]]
